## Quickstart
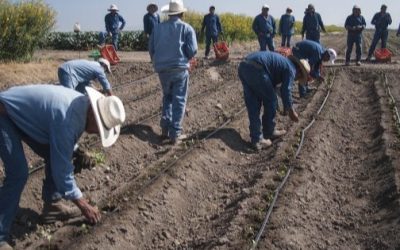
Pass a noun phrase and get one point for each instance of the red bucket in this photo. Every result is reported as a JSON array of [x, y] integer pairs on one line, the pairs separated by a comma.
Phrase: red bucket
[[108, 52], [221, 51], [383, 55], [284, 51]]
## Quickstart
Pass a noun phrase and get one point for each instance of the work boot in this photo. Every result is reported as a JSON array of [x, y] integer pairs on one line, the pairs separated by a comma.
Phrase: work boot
[[358, 63], [164, 134], [178, 140], [278, 133], [5, 246], [58, 211], [206, 57], [368, 59], [261, 144], [347, 63]]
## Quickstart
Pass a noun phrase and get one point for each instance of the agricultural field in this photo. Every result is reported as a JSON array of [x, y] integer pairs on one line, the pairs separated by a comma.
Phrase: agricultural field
[[213, 191]]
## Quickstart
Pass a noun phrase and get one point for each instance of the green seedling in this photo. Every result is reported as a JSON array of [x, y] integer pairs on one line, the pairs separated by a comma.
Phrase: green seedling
[[99, 157]]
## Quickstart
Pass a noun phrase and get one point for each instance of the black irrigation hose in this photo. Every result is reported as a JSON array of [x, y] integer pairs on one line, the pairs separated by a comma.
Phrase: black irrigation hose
[[291, 168], [393, 101]]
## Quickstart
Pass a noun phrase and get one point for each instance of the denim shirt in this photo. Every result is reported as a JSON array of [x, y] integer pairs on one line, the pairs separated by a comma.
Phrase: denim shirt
[[172, 44], [51, 115], [311, 51], [264, 26], [381, 22], [280, 70], [312, 23], [150, 21], [84, 71], [112, 22], [353, 21], [212, 25], [286, 25]]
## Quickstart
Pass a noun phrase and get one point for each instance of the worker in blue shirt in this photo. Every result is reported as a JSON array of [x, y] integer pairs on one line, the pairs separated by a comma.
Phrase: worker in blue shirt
[[265, 29], [286, 27], [115, 23], [151, 19], [381, 20], [312, 24], [315, 54], [355, 24], [172, 45], [50, 119], [260, 73], [77, 74], [398, 31], [213, 28]]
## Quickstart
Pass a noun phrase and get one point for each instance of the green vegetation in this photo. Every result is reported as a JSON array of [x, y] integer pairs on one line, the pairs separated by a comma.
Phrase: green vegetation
[[22, 26]]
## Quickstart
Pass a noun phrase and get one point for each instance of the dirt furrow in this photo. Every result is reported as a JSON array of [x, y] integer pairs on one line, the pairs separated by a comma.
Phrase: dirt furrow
[[343, 194]]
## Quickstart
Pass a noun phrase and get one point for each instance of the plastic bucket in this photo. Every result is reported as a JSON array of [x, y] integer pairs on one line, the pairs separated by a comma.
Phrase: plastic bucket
[[221, 51], [108, 52], [383, 55], [284, 51]]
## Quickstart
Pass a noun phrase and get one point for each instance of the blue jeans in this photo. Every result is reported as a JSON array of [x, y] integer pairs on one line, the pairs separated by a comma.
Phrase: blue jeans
[[175, 85], [379, 35], [266, 40], [353, 39], [313, 36], [258, 91], [286, 40], [16, 172], [115, 36], [208, 43]]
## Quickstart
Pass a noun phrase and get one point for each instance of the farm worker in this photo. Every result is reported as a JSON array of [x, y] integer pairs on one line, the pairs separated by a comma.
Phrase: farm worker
[[315, 54], [212, 25], [381, 20], [151, 19], [265, 29], [260, 73], [312, 24], [286, 27], [398, 31], [114, 24], [77, 74], [172, 46], [355, 24], [50, 119]]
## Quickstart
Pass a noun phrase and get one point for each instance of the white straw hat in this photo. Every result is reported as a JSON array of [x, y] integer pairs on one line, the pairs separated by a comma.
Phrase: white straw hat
[[265, 6], [109, 113], [332, 55], [174, 7], [304, 68], [105, 62], [113, 7]]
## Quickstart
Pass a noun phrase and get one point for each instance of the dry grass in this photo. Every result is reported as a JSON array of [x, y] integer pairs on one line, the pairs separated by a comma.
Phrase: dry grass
[[12, 74]]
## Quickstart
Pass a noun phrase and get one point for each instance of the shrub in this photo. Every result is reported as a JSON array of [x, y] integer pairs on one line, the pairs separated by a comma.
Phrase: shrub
[[22, 26]]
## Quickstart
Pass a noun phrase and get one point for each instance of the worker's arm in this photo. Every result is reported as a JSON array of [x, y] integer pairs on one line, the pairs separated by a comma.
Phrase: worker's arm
[[304, 27], [219, 26], [255, 26], [190, 46], [146, 24], [203, 25], [108, 23], [273, 26], [321, 23], [101, 76], [122, 20]]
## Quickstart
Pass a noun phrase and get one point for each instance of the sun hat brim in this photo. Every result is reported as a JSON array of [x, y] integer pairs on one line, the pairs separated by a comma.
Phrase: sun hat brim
[[165, 10], [304, 74], [108, 136]]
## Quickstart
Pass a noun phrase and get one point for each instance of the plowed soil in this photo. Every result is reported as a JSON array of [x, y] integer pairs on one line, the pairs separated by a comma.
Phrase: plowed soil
[[212, 192]]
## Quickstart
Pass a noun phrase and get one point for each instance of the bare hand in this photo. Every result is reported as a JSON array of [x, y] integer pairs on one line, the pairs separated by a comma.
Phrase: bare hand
[[92, 214], [192, 64], [293, 115]]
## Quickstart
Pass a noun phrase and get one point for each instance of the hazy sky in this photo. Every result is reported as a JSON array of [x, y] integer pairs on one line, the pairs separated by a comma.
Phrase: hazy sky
[[90, 13]]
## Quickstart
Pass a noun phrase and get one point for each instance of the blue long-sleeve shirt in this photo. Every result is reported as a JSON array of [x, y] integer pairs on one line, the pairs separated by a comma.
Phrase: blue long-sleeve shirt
[[286, 25], [381, 22], [312, 23], [212, 25], [150, 21], [84, 71], [55, 116], [172, 44], [264, 26], [112, 22], [311, 51], [280, 70], [355, 24]]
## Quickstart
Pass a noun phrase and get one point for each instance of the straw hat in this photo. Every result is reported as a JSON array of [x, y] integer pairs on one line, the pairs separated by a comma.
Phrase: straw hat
[[113, 7], [265, 6], [304, 68], [174, 7], [109, 113], [106, 63], [332, 55]]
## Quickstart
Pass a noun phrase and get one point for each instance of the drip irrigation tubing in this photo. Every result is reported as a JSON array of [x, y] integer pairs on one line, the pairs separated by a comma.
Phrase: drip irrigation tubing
[[291, 168], [392, 101]]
